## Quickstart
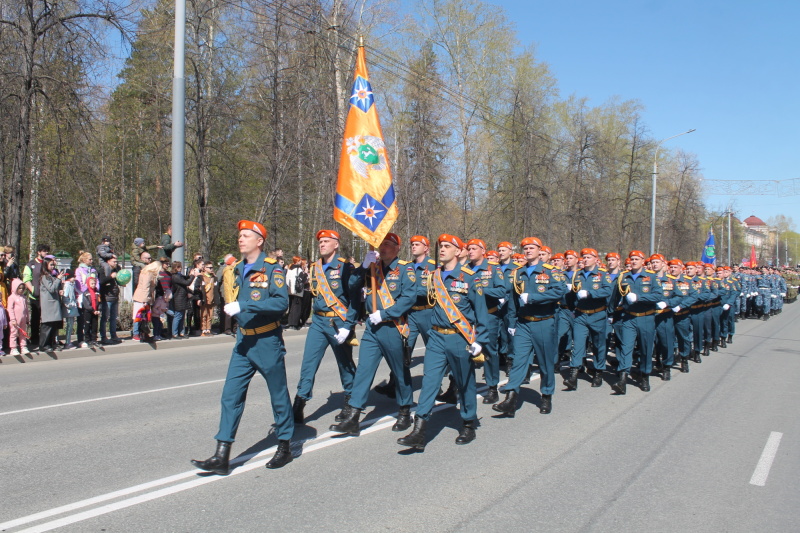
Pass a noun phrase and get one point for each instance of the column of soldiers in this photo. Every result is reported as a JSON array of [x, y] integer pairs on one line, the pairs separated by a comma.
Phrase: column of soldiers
[[472, 308]]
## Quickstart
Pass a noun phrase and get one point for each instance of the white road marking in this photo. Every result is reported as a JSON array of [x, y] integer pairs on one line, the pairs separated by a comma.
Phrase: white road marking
[[323, 441], [110, 397], [767, 457]]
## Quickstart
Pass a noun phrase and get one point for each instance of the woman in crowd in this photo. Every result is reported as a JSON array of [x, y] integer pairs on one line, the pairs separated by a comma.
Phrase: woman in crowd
[[181, 302], [50, 289]]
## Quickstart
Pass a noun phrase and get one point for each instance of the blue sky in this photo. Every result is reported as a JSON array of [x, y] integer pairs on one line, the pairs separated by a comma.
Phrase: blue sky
[[730, 69]]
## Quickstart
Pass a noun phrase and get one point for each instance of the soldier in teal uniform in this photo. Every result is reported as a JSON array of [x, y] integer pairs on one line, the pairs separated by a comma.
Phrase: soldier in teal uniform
[[763, 294], [335, 312], [684, 296], [458, 334], [665, 318], [494, 292], [698, 308], [261, 301], [640, 293], [592, 288], [713, 308], [384, 332], [566, 314], [729, 292], [537, 289]]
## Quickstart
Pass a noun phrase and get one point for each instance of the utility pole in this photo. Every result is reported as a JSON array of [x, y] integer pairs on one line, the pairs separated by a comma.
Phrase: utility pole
[[178, 129]]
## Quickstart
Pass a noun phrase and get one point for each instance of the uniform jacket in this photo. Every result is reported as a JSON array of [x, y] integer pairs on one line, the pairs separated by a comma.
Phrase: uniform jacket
[[493, 282], [545, 287], [597, 282], [263, 296], [465, 287], [338, 273], [646, 287], [401, 281]]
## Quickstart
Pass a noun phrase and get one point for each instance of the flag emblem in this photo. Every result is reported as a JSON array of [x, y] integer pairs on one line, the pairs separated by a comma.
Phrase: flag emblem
[[362, 94]]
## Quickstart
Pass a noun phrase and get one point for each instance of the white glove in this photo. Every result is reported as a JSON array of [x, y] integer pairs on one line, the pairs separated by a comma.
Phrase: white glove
[[501, 301], [371, 257], [726, 307], [783, 295], [631, 297], [375, 318], [512, 331], [661, 305], [676, 309], [523, 298], [232, 308], [774, 296], [475, 349], [342, 335], [569, 286], [583, 293], [610, 320]]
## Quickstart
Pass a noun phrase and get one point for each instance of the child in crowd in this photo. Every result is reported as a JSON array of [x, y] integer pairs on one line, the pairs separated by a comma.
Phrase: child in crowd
[[69, 308], [18, 316], [159, 309], [207, 304], [3, 325], [143, 317]]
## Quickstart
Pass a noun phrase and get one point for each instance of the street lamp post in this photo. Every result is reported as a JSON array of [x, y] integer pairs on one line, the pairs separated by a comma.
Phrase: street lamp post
[[655, 177]]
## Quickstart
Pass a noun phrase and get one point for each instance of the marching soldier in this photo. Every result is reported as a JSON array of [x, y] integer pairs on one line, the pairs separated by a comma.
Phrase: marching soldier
[[458, 334], [698, 308], [714, 308], [385, 333], [686, 295], [537, 289], [640, 293], [592, 288], [566, 317], [764, 294], [612, 323], [336, 308], [494, 293], [730, 293], [665, 323], [505, 250], [261, 301]]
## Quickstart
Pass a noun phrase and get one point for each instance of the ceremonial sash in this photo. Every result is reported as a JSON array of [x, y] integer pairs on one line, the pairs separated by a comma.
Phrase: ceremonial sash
[[387, 301], [331, 300], [455, 316]]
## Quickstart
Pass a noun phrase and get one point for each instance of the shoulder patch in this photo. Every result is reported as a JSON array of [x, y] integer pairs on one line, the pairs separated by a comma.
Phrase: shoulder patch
[[467, 270], [431, 261], [402, 262], [270, 260]]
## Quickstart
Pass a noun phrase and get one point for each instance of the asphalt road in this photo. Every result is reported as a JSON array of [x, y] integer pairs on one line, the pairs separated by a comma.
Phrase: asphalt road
[[103, 444]]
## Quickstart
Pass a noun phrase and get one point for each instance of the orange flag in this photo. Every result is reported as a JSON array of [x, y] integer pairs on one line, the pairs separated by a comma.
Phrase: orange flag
[[365, 201]]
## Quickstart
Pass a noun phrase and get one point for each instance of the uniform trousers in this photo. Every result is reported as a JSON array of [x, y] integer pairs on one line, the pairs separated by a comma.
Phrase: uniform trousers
[[712, 322], [683, 333], [443, 352], [725, 322], [698, 317], [264, 354], [320, 336], [665, 337], [491, 365], [764, 300], [633, 328], [565, 322], [537, 338], [381, 341], [419, 323], [594, 326]]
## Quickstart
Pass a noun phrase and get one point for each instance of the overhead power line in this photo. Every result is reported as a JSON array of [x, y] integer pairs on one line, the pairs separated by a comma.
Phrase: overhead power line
[[789, 187]]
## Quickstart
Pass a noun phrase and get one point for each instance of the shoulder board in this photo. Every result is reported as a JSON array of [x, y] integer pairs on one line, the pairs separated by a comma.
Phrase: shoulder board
[[270, 260], [670, 276], [342, 259], [625, 272], [650, 271], [548, 266], [495, 263], [401, 262], [467, 270], [237, 263], [602, 269], [431, 261]]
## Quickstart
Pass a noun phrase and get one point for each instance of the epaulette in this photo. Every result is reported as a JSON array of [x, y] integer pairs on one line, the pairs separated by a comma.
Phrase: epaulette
[[402, 262], [495, 263], [518, 264], [670, 276], [342, 259], [431, 261], [650, 271], [548, 265], [624, 272], [270, 260], [603, 269], [468, 271]]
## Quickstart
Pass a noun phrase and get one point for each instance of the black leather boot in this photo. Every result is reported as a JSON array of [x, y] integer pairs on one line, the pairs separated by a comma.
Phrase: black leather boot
[[666, 374], [415, 439], [283, 455], [695, 356], [387, 389], [706, 348], [297, 409], [547, 404], [645, 384], [491, 395], [714, 345], [467, 433], [217, 463], [722, 342], [597, 378], [685, 365], [404, 419], [350, 425], [730, 339], [620, 387], [346, 410], [508, 406], [450, 395], [571, 383], [528, 375]]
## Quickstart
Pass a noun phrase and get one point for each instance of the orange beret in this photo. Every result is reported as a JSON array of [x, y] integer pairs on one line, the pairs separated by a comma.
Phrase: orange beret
[[707, 265], [518, 257], [570, 252], [612, 254], [657, 256], [452, 239], [635, 253], [477, 242], [675, 262], [491, 254], [547, 249], [420, 238], [589, 251], [505, 244], [558, 256], [393, 237], [253, 226], [531, 240], [720, 269], [329, 233]]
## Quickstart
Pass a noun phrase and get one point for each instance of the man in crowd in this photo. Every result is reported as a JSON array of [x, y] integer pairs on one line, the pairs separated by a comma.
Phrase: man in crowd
[[166, 246], [31, 277], [109, 300]]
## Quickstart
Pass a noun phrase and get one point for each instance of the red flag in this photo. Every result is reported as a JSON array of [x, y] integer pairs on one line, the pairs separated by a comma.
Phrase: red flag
[[753, 261]]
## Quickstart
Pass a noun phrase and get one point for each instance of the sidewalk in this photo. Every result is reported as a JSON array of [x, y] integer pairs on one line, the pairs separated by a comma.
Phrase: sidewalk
[[129, 346]]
